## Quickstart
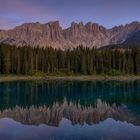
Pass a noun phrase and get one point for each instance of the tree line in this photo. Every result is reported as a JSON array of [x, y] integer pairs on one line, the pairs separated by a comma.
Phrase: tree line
[[81, 60]]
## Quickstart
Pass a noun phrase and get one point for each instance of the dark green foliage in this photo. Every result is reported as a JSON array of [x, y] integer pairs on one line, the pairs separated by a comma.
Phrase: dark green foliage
[[28, 60]]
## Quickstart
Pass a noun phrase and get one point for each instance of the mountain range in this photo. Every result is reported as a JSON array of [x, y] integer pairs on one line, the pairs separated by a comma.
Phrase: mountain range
[[52, 34]]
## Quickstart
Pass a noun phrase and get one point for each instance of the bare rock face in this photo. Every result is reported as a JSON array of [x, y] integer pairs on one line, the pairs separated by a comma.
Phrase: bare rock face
[[133, 39], [52, 34], [122, 33]]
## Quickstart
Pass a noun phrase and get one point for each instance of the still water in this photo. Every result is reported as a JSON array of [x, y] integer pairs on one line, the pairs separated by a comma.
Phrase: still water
[[59, 110]]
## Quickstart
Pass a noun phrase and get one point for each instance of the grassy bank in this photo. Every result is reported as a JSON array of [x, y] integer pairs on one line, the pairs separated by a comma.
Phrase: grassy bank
[[19, 77], [66, 77], [93, 77]]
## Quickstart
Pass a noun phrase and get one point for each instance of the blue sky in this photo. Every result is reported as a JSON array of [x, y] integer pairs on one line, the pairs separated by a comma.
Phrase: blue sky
[[105, 12]]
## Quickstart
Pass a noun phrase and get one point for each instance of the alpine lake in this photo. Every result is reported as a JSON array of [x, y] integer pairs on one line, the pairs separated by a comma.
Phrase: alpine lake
[[70, 110]]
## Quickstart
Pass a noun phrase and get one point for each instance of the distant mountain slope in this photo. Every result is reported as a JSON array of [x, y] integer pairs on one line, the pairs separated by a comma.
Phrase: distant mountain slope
[[52, 34], [134, 38]]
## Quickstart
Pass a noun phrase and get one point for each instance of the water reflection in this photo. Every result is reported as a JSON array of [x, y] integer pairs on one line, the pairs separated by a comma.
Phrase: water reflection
[[100, 110], [28, 93], [75, 113], [106, 130]]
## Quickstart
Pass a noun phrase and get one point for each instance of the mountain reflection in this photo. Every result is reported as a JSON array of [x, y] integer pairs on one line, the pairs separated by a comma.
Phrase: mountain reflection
[[28, 93], [76, 113]]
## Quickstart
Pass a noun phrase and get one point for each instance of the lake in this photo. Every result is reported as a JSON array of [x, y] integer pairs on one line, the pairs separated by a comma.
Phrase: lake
[[59, 110]]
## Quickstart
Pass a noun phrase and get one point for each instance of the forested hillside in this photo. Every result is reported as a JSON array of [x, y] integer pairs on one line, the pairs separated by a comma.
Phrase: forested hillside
[[29, 60]]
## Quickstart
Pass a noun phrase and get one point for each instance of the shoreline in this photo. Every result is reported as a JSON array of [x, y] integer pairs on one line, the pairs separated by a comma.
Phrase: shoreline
[[93, 78], [7, 78]]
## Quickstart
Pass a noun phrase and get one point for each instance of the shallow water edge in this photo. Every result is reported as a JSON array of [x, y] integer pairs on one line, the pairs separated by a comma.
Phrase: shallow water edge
[[4, 78]]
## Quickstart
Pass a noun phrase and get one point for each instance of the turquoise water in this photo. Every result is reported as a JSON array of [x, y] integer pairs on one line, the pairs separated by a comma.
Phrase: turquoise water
[[40, 110]]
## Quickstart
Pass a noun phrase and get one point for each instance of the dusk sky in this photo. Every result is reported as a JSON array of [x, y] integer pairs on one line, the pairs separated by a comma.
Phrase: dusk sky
[[104, 12]]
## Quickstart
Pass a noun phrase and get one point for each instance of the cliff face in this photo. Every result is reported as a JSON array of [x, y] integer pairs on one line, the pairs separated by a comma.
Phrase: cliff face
[[52, 34]]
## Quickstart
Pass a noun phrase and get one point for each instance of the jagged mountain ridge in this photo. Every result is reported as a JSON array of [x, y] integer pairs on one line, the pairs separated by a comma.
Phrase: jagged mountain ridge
[[52, 34]]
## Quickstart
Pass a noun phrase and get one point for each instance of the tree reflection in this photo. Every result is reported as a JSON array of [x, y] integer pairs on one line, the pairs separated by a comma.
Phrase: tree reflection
[[28, 93]]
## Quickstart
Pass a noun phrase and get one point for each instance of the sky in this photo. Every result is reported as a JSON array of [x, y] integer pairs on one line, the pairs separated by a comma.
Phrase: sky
[[105, 12]]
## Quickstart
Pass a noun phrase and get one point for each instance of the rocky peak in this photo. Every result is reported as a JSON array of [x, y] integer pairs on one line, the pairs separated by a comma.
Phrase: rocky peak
[[94, 28], [134, 23], [77, 25], [54, 24], [116, 28], [74, 24], [52, 34]]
